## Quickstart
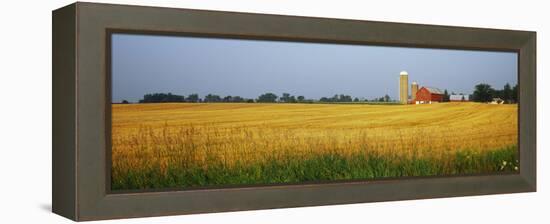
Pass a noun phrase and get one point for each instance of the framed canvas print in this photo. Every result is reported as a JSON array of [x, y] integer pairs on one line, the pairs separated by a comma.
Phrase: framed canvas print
[[160, 111]]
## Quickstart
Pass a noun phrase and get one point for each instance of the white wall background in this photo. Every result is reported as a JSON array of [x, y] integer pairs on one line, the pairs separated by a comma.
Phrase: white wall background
[[25, 112]]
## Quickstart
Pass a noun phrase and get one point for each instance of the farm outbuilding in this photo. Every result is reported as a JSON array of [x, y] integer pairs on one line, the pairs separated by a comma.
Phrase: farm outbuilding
[[429, 95], [497, 101], [459, 98]]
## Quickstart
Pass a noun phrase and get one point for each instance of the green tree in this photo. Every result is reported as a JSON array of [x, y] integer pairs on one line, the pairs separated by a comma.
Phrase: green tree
[[285, 98], [193, 98], [161, 98], [483, 93], [507, 93], [387, 98], [301, 98], [345, 98], [211, 98], [335, 98], [237, 99], [292, 99], [228, 99], [446, 96], [267, 98], [497, 93], [515, 94]]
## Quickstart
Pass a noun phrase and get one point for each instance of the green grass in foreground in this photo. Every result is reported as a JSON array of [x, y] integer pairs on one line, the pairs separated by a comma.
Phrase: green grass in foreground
[[320, 168]]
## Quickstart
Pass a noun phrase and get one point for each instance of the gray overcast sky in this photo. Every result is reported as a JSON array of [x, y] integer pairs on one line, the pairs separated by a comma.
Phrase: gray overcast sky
[[183, 65]]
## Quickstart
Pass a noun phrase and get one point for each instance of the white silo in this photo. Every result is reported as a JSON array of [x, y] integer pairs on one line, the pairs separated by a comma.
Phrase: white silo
[[414, 89], [403, 87]]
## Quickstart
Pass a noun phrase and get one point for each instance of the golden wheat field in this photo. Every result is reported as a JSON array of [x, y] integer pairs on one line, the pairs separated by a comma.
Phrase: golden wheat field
[[167, 135]]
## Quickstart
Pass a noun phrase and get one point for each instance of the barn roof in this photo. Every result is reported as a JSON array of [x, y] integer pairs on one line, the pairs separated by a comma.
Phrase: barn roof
[[434, 90]]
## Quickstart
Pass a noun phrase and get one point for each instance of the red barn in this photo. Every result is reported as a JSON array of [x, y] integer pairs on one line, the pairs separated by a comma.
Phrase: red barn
[[429, 95]]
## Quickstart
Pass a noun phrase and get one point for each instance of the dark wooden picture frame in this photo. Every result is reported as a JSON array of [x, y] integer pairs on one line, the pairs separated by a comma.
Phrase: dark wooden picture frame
[[81, 104]]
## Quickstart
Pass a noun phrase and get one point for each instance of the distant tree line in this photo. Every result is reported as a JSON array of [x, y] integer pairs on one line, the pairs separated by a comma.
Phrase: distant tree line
[[485, 93], [191, 98], [263, 98], [212, 98], [385, 98], [161, 98], [337, 98], [169, 98]]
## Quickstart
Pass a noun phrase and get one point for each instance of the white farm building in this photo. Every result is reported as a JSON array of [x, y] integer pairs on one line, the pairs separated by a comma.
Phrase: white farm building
[[459, 98]]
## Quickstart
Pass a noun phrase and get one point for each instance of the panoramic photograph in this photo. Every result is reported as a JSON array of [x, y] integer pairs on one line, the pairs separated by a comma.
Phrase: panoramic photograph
[[204, 112]]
